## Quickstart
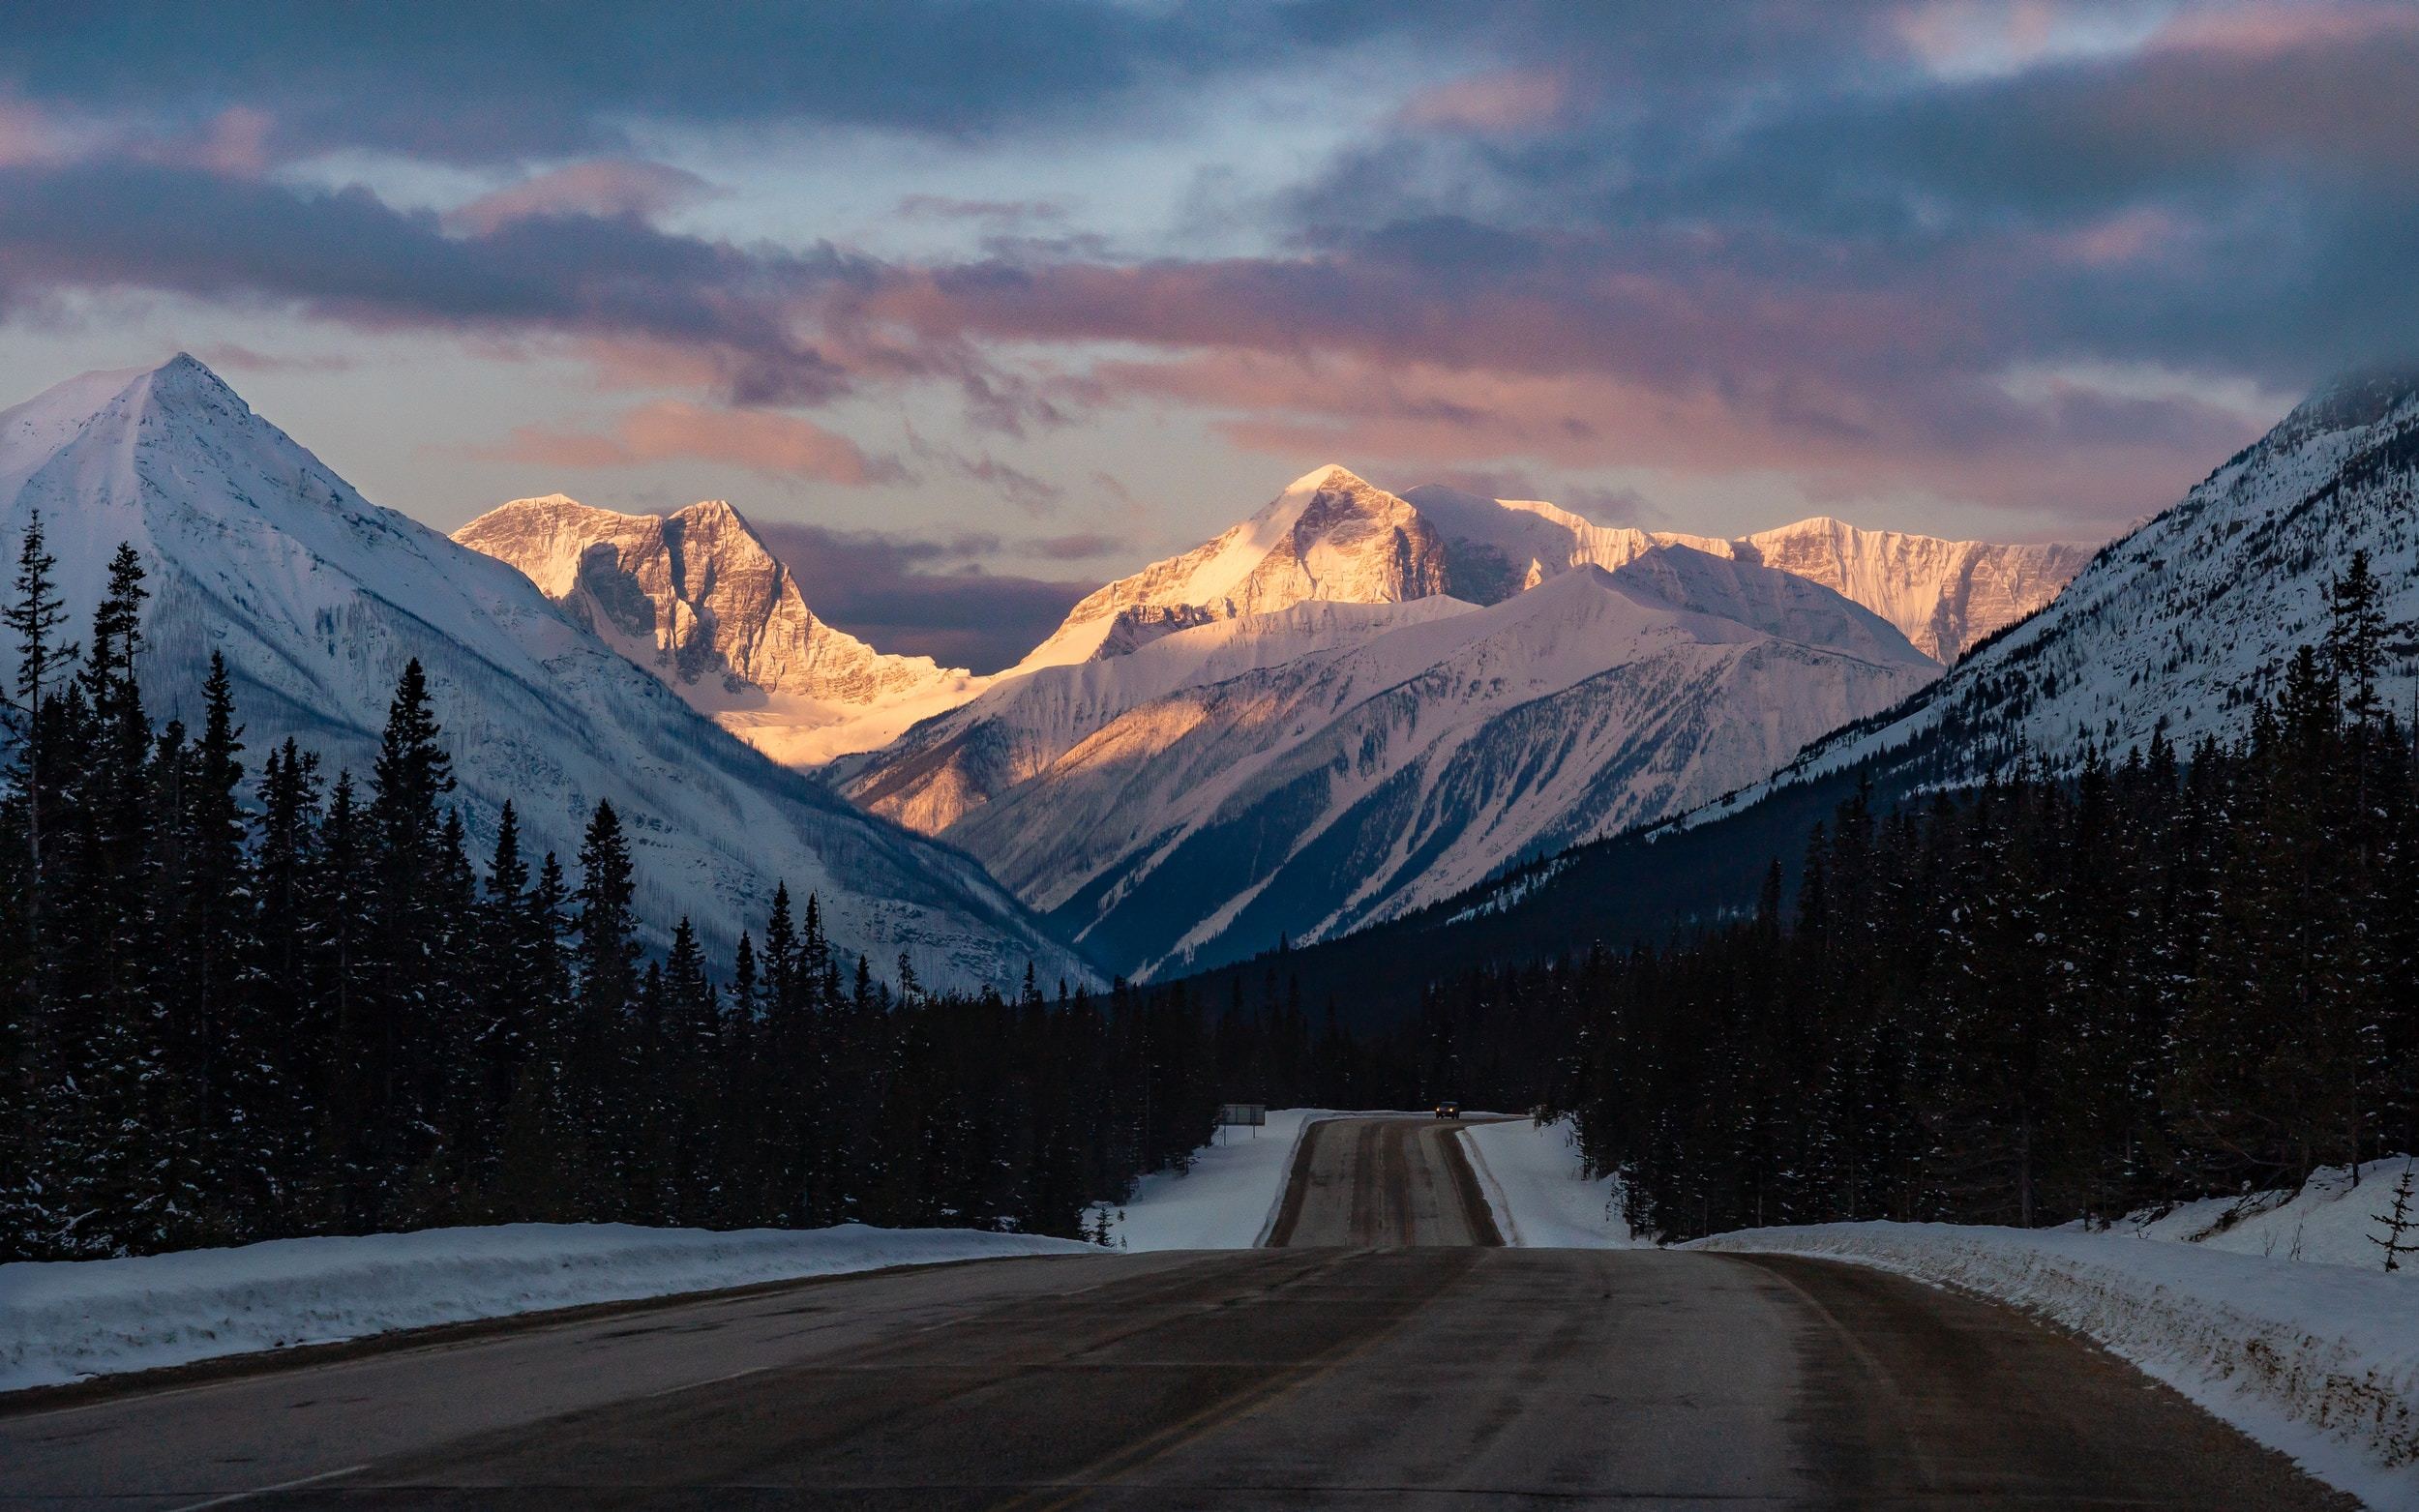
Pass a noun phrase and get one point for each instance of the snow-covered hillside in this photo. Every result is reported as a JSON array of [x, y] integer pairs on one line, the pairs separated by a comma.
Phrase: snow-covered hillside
[[1304, 772], [317, 597], [695, 598], [2169, 626]]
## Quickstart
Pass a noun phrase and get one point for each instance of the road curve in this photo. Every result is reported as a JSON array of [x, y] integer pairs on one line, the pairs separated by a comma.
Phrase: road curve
[[1420, 1376]]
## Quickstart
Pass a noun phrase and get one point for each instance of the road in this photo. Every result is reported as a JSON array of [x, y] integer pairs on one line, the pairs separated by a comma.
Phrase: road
[[1437, 1371], [1382, 1181]]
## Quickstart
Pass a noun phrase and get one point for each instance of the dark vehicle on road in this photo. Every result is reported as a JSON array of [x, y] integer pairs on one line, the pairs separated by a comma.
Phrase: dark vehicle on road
[[1448, 1109]]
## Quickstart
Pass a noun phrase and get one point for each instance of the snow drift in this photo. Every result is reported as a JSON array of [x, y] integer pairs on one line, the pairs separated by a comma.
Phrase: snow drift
[[66, 1320]]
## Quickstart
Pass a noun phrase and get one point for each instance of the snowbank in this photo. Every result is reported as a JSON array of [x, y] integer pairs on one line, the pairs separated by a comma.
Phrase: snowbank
[[2319, 1361], [1230, 1196], [1531, 1176], [2328, 1222], [62, 1320]]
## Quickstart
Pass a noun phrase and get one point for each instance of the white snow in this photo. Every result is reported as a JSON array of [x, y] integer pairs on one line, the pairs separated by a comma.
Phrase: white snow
[[1229, 1196], [64, 1320], [1531, 1175], [2319, 1361], [2328, 1222]]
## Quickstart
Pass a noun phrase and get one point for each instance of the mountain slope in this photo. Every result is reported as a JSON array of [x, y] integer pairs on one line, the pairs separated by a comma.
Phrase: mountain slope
[[317, 597], [1310, 770], [2171, 627], [695, 598], [2163, 630]]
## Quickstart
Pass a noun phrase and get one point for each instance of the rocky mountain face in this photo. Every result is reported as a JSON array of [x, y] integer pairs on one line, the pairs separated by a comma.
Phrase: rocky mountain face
[[317, 597], [1944, 596], [695, 598]]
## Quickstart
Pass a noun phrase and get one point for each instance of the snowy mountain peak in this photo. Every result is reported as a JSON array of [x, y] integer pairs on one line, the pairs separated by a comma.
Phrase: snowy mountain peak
[[317, 597], [2349, 402], [1331, 475], [697, 599], [1329, 536]]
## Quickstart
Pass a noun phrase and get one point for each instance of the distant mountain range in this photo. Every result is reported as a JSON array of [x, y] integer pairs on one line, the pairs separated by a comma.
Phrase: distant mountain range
[[317, 597], [1350, 704]]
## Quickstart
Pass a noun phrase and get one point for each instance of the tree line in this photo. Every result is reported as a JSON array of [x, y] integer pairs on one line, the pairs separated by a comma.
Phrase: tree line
[[252, 1003], [2050, 997]]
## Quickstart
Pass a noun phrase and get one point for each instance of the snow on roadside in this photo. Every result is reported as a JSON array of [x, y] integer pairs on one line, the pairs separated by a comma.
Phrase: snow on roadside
[[2319, 1361], [1531, 1176], [62, 1320], [1229, 1196], [2328, 1222]]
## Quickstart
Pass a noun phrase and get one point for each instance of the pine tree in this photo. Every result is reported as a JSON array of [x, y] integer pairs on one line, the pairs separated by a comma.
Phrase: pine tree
[[31, 722], [399, 1050], [222, 1063], [607, 995]]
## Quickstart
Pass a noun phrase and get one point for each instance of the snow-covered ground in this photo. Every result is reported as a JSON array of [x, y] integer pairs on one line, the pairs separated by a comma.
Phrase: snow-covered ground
[[1531, 1176], [2328, 1222], [2319, 1360], [64, 1320], [1229, 1196]]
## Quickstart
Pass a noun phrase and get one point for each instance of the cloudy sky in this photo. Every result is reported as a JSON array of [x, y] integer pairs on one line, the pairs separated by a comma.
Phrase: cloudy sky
[[974, 305]]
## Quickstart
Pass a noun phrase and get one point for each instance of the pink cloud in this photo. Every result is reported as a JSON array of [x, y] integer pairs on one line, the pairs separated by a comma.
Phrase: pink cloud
[[599, 186], [1509, 99], [2266, 27], [777, 446]]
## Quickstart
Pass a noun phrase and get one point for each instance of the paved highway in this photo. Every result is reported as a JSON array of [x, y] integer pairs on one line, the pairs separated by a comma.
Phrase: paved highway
[[1436, 1372]]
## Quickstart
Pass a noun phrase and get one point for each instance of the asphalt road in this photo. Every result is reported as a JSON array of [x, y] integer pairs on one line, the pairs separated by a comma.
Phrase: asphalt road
[[1382, 1181], [1445, 1375]]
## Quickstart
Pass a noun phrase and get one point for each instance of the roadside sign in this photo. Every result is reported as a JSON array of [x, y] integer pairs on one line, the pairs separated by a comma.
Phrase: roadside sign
[[1241, 1115]]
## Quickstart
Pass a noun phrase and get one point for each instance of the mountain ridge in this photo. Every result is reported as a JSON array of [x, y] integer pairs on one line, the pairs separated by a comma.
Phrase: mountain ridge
[[256, 549]]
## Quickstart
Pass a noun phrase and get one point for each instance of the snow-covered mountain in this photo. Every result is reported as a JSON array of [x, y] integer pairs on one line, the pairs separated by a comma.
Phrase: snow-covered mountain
[[2168, 626], [1942, 595], [1333, 538], [1329, 536], [1306, 770], [695, 598], [317, 597]]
